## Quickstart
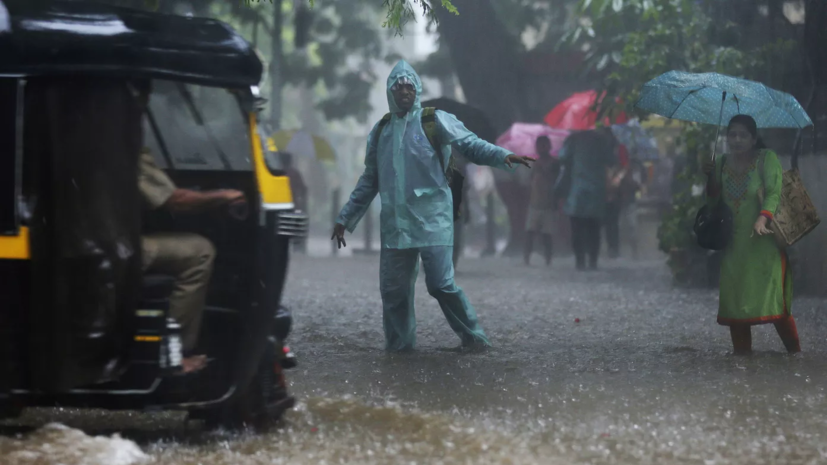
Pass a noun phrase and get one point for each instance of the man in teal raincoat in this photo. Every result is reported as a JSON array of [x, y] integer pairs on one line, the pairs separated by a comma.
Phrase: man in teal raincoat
[[417, 210]]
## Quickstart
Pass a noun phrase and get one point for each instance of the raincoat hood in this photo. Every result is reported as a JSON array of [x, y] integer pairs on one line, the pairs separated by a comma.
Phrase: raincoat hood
[[403, 69]]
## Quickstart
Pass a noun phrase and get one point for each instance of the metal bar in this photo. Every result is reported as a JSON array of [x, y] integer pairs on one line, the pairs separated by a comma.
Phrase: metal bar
[[162, 144], [20, 116]]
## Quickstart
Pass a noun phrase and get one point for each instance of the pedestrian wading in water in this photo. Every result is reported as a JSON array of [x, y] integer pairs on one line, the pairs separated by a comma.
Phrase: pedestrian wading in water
[[542, 208], [756, 279], [586, 158], [417, 217]]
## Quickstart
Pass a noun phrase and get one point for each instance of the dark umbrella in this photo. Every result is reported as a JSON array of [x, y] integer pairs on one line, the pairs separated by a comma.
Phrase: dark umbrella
[[476, 121], [473, 118]]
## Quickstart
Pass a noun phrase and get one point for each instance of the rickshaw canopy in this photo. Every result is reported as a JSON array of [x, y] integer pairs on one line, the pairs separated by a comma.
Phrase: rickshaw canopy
[[82, 38]]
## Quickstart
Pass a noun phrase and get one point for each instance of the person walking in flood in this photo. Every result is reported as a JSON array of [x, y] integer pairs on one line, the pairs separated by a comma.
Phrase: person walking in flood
[[586, 158], [756, 282], [408, 170], [543, 205]]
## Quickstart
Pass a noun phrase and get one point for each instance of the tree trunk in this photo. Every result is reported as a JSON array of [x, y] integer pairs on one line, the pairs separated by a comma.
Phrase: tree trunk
[[486, 60]]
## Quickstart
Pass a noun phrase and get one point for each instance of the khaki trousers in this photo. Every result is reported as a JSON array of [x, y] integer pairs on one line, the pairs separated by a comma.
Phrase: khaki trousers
[[188, 258]]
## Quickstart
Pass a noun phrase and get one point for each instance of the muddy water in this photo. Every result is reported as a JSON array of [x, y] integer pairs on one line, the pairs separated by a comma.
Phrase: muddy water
[[614, 367], [328, 431]]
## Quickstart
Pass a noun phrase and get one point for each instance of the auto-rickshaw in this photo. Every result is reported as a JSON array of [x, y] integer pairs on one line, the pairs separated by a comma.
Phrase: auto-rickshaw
[[80, 324]]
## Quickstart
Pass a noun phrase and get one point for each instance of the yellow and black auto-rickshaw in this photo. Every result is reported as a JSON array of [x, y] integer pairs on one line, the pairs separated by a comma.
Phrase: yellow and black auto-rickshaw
[[80, 324]]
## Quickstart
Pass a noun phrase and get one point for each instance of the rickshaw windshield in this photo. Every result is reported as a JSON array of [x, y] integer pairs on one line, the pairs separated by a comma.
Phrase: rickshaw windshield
[[190, 127]]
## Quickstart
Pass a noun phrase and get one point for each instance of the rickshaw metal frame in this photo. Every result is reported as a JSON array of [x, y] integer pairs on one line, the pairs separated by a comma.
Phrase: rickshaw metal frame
[[31, 33]]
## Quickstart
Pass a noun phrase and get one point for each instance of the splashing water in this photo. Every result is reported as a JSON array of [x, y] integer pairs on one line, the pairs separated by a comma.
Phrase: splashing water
[[55, 443]]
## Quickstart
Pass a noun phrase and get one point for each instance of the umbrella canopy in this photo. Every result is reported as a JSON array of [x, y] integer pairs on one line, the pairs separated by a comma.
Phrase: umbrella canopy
[[712, 98], [576, 113], [522, 137], [303, 144], [638, 141], [473, 118]]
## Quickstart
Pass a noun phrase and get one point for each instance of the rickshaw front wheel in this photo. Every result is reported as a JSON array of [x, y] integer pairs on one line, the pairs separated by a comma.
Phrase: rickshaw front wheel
[[261, 406]]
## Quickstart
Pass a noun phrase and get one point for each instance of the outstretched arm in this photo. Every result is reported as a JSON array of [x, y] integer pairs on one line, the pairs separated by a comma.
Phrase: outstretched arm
[[365, 191], [476, 150]]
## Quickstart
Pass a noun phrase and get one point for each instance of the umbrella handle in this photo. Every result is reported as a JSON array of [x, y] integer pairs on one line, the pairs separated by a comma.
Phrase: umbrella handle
[[718, 131], [711, 178]]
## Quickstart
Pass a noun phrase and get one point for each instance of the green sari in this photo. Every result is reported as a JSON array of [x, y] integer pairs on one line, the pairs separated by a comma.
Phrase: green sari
[[756, 283]]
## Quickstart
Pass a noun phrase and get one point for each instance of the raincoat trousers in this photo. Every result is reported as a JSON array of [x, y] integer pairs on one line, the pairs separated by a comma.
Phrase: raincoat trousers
[[417, 214]]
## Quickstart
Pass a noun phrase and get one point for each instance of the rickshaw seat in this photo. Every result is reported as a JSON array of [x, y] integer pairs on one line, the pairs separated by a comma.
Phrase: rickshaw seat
[[156, 287]]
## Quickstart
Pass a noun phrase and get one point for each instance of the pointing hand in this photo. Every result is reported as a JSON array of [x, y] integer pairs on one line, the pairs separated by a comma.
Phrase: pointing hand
[[512, 159]]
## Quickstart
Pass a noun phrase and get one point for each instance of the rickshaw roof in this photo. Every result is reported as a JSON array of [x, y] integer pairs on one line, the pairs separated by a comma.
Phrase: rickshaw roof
[[83, 38]]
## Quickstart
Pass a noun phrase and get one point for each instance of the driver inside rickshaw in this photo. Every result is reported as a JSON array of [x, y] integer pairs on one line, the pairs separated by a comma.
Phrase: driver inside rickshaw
[[187, 257]]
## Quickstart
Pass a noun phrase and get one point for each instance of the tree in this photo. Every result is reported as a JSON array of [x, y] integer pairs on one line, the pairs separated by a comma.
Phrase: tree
[[633, 41]]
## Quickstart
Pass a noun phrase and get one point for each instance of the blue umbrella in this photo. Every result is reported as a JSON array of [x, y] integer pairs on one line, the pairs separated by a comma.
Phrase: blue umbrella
[[638, 140], [711, 97]]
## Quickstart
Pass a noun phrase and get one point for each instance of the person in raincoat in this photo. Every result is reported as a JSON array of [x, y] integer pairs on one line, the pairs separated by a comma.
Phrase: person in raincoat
[[587, 157], [417, 210]]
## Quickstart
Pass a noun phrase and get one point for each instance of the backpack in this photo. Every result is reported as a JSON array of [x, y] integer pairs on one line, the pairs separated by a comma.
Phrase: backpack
[[454, 176]]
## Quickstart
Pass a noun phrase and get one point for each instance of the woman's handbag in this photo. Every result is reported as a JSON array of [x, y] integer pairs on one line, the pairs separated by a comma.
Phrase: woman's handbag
[[713, 223], [796, 215]]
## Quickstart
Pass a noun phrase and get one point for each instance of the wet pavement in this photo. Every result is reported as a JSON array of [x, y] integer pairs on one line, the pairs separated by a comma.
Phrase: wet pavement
[[610, 367]]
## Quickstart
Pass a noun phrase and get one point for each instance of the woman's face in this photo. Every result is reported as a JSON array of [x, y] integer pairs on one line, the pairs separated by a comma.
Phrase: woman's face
[[739, 139]]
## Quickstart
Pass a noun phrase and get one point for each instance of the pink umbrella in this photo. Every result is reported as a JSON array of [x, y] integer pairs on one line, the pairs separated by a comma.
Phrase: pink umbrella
[[522, 137]]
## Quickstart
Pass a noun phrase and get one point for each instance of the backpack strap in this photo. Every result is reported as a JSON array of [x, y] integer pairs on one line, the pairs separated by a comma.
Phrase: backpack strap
[[430, 129], [379, 127]]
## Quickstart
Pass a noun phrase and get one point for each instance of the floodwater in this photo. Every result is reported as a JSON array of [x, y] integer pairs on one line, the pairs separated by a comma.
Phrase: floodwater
[[611, 367]]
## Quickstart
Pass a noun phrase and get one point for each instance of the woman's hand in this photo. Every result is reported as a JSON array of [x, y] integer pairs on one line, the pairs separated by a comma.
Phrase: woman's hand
[[761, 226], [708, 167]]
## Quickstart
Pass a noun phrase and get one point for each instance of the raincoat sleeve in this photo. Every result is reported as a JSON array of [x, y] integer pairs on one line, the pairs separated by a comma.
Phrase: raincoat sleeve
[[772, 174], [476, 150], [365, 191]]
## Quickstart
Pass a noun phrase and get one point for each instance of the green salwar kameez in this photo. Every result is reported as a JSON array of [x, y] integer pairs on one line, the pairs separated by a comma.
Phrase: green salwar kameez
[[756, 283]]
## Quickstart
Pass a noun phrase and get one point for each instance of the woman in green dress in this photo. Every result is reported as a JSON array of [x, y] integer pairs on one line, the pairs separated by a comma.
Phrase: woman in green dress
[[756, 283]]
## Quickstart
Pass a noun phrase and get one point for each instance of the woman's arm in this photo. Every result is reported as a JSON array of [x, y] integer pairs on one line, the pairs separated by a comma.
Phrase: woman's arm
[[772, 174]]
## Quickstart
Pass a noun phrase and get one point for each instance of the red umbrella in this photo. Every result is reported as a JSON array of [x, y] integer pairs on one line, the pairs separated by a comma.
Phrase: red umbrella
[[575, 113]]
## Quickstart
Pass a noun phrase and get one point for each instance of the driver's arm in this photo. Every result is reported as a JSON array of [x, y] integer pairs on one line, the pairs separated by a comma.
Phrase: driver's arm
[[190, 201], [159, 191]]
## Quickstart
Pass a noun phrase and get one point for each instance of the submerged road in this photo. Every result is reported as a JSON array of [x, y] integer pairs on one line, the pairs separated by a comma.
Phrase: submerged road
[[610, 367]]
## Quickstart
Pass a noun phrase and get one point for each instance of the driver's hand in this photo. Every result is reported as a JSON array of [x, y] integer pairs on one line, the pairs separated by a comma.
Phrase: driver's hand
[[339, 235], [516, 159], [232, 195]]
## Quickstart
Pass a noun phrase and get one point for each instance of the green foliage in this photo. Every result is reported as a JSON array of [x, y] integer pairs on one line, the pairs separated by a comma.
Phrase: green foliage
[[633, 41], [400, 12], [686, 260]]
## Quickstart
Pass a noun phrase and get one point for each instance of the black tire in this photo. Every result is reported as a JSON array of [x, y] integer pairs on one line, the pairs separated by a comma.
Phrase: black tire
[[263, 403], [9, 408]]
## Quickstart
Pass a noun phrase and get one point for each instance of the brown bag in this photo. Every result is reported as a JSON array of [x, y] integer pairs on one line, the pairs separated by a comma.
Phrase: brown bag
[[796, 215]]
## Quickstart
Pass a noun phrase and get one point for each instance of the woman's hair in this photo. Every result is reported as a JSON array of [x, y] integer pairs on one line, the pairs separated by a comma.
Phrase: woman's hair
[[751, 126]]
